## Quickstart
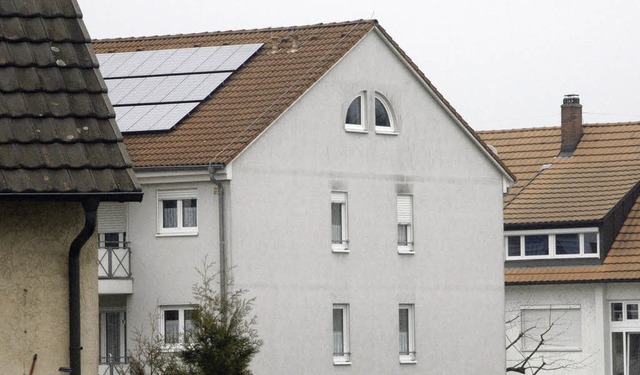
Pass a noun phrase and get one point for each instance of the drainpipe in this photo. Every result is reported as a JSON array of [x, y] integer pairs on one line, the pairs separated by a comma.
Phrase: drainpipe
[[90, 217], [223, 254]]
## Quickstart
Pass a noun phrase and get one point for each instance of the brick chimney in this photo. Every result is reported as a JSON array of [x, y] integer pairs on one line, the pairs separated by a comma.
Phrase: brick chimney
[[571, 124]]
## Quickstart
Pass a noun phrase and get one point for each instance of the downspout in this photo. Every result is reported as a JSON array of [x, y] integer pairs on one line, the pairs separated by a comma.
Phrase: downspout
[[223, 253], [90, 207]]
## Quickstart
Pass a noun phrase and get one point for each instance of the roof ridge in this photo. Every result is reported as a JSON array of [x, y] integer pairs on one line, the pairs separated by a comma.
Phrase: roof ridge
[[537, 128], [373, 22]]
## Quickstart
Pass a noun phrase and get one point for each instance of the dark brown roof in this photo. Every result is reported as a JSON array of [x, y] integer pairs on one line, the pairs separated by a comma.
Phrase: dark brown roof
[[583, 188], [255, 95], [57, 130]]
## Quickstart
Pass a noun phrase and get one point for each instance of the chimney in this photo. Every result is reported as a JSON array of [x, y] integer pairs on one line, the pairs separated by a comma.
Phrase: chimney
[[571, 124]]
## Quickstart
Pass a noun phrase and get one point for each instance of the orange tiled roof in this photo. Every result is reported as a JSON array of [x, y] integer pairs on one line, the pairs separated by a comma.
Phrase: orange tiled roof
[[585, 187], [255, 95]]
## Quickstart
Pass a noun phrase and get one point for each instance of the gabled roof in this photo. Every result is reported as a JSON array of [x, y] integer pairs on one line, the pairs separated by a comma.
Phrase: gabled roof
[[58, 137], [291, 60], [580, 189]]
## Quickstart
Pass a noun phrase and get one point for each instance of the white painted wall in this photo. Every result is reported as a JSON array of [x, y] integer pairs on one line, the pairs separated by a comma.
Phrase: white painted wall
[[591, 298], [281, 242]]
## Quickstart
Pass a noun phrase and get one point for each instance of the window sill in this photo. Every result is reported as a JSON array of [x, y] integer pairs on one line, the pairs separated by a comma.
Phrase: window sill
[[554, 350], [176, 234], [386, 132], [339, 362], [406, 251], [538, 257], [340, 250], [408, 361], [354, 130]]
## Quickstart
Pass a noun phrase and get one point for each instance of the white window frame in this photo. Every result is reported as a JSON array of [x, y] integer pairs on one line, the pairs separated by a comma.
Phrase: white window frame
[[179, 196], [410, 357], [344, 358], [551, 237], [625, 322], [181, 321], [393, 128], [550, 308], [404, 208], [624, 326], [358, 128], [341, 198]]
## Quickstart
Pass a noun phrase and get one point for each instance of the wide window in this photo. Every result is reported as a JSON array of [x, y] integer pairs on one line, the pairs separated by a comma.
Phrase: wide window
[[177, 212], [176, 322], [355, 118], [339, 233], [383, 116], [341, 351], [559, 328], [406, 329], [559, 243], [405, 223]]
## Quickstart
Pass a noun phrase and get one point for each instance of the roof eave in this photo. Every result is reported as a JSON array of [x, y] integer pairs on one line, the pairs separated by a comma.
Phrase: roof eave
[[511, 178], [134, 196]]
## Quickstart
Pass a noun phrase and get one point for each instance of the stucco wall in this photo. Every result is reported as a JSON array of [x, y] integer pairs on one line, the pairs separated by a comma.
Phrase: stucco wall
[[281, 237], [34, 318], [590, 359]]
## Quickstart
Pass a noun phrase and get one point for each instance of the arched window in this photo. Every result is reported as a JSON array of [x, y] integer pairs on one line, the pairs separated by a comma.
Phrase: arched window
[[354, 120], [384, 118]]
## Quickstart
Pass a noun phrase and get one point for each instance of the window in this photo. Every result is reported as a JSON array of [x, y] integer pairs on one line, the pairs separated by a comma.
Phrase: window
[[559, 243], [339, 238], [405, 223], [354, 120], [177, 212], [113, 343], [562, 324], [341, 354], [176, 322], [625, 337], [407, 333], [383, 118]]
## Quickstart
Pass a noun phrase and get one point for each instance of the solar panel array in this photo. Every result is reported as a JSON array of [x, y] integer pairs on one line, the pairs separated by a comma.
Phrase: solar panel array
[[154, 90]]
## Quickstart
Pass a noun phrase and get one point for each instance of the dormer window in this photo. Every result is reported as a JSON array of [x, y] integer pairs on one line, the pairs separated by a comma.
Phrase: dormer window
[[559, 243], [383, 117], [354, 120]]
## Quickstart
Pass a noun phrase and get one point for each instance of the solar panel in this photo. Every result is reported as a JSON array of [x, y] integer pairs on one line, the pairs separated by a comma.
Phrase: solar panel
[[154, 90]]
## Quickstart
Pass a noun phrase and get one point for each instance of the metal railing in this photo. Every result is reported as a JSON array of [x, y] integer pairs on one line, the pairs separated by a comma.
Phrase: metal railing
[[111, 365], [114, 260]]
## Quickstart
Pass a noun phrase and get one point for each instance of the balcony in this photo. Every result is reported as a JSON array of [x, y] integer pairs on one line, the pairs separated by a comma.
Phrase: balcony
[[114, 268]]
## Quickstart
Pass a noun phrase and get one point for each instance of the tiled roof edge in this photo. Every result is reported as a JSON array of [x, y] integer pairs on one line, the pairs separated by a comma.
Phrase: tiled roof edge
[[446, 103], [556, 127], [233, 32]]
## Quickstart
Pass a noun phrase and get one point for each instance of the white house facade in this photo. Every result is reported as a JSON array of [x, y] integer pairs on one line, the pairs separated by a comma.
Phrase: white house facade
[[364, 218], [571, 245]]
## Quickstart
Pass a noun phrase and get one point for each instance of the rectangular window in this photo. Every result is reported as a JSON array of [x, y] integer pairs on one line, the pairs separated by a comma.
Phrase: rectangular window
[[406, 329], [339, 233], [176, 322], [404, 205], [559, 326], [177, 212], [555, 243], [113, 346], [341, 353]]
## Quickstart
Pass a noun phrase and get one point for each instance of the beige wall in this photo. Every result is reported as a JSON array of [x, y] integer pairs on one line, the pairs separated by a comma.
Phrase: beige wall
[[34, 318]]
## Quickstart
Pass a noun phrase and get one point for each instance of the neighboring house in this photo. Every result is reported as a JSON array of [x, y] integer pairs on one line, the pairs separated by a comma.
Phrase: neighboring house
[[572, 242], [61, 154], [329, 176]]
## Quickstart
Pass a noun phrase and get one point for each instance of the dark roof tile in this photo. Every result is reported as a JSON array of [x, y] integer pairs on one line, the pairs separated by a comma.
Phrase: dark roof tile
[[58, 136]]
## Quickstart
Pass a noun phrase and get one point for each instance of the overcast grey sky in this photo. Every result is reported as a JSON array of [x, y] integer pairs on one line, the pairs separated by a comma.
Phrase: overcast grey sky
[[501, 63]]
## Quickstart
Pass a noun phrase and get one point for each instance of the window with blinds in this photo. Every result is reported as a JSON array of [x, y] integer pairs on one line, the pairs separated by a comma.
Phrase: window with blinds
[[405, 223], [560, 325], [177, 212], [339, 233]]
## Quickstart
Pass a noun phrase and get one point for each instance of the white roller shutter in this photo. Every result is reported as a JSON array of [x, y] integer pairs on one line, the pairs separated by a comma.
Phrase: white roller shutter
[[405, 209], [112, 217]]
